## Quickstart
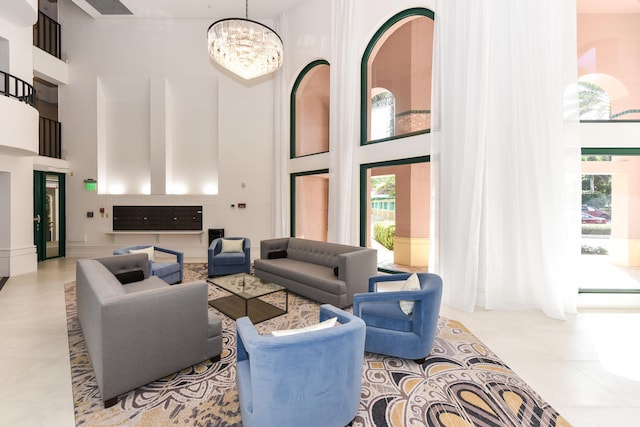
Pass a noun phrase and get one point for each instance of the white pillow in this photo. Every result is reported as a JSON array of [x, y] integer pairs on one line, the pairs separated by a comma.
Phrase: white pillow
[[150, 251], [329, 323], [390, 286], [411, 284], [229, 245]]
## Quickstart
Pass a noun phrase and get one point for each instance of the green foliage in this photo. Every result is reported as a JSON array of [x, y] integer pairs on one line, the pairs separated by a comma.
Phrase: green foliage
[[597, 229], [384, 185], [384, 233], [594, 250]]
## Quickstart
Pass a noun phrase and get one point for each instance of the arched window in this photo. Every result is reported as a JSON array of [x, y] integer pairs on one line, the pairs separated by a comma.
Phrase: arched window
[[398, 59], [310, 111], [382, 114]]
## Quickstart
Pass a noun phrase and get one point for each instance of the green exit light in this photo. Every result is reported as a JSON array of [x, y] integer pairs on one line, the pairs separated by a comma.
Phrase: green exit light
[[90, 186]]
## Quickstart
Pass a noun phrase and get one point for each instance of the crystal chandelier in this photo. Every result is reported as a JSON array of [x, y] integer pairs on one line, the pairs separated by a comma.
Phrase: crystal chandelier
[[245, 47]]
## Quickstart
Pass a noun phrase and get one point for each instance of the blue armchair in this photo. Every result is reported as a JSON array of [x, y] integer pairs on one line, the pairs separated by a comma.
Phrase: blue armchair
[[169, 271], [221, 263], [307, 379], [392, 332]]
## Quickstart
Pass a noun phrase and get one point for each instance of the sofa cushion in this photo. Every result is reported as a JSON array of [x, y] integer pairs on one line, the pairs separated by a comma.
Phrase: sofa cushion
[[315, 252], [151, 282], [317, 276], [97, 272]]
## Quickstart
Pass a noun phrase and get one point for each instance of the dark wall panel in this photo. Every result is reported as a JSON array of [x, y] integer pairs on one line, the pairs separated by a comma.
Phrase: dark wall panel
[[157, 218]]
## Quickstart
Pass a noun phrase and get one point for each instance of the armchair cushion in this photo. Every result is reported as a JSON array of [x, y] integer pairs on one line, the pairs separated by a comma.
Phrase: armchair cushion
[[150, 251], [329, 323], [229, 245], [411, 284]]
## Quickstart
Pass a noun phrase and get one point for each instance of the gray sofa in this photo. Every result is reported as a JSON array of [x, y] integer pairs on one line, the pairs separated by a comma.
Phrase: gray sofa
[[329, 273], [143, 330]]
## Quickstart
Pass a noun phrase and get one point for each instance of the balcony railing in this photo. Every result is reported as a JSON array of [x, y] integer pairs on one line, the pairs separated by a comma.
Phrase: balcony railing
[[16, 88], [50, 138], [46, 35]]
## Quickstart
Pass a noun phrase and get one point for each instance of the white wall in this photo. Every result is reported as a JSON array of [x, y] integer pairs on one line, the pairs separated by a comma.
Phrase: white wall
[[18, 142], [226, 125]]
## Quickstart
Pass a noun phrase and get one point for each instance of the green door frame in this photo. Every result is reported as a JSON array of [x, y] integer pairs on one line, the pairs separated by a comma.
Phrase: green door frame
[[39, 214]]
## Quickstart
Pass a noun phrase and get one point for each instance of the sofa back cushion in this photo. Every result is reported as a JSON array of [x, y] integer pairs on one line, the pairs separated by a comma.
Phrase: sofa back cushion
[[103, 283], [316, 252]]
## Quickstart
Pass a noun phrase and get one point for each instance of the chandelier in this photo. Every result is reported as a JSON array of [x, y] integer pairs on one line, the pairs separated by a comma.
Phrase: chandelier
[[245, 47]]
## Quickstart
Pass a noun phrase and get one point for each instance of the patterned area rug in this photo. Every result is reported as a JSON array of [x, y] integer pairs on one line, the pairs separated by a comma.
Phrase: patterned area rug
[[462, 383]]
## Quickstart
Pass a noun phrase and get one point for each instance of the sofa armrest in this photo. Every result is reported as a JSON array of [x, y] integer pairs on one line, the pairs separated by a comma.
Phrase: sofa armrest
[[165, 328], [355, 268], [273, 245]]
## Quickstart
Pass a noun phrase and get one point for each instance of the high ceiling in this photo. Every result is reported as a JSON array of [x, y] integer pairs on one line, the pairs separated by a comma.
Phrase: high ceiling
[[269, 9], [212, 9]]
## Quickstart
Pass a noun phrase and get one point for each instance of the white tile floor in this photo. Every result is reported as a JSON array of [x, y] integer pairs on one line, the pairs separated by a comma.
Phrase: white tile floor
[[587, 367]]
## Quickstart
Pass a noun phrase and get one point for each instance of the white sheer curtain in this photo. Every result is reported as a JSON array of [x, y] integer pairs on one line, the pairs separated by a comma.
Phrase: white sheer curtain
[[505, 159], [280, 140], [344, 122]]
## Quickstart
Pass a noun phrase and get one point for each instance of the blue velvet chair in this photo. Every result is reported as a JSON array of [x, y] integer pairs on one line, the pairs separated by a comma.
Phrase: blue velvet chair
[[169, 271], [392, 332], [308, 379], [222, 263]]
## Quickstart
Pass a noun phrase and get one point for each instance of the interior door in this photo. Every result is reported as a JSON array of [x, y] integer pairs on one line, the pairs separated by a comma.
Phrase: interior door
[[49, 214]]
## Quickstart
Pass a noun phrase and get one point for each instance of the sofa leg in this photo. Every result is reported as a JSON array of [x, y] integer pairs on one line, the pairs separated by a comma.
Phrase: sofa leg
[[110, 402], [420, 361], [215, 359], [351, 422]]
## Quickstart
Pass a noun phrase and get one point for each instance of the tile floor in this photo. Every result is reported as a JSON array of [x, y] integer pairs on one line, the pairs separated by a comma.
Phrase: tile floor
[[586, 367]]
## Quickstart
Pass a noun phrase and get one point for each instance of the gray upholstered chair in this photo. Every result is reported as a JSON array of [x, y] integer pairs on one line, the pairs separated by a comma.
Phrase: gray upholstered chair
[[310, 379], [222, 261], [169, 271], [390, 330]]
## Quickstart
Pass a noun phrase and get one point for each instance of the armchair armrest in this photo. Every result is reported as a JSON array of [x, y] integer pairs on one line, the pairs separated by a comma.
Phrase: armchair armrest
[[179, 255], [246, 334]]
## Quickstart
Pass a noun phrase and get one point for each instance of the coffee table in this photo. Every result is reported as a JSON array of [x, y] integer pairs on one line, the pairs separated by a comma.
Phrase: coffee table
[[246, 291]]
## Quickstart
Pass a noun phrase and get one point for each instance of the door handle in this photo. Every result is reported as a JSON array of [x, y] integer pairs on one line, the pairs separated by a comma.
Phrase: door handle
[[37, 219]]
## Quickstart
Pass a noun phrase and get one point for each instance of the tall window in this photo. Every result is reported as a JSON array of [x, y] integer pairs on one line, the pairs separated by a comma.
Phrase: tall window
[[608, 69], [310, 111], [396, 77], [310, 205], [394, 199], [610, 223]]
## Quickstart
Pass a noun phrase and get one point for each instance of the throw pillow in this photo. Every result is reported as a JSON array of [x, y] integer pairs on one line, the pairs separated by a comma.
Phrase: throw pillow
[[411, 284], [150, 251], [277, 254], [130, 276], [232, 245], [336, 271], [329, 323], [390, 286]]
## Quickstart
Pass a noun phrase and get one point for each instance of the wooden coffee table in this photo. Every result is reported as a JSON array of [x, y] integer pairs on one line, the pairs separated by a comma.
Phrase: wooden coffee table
[[246, 291]]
